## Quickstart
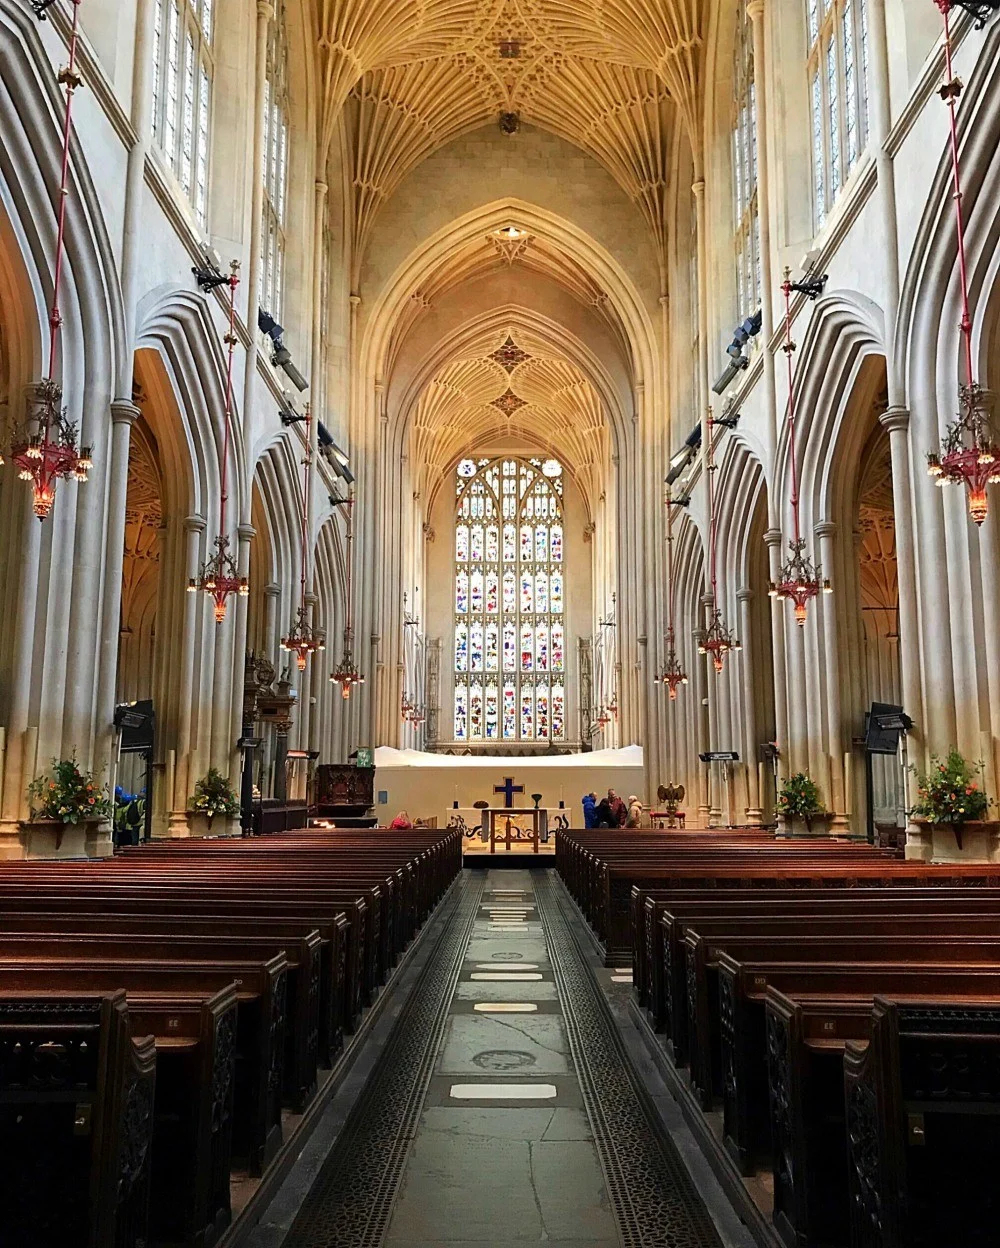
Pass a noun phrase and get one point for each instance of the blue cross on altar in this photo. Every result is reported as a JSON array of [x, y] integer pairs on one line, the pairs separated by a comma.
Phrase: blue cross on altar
[[508, 789]]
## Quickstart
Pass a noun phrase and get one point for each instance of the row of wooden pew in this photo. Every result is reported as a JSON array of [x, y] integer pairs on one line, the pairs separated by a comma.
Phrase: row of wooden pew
[[163, 1011], [835, 1014]]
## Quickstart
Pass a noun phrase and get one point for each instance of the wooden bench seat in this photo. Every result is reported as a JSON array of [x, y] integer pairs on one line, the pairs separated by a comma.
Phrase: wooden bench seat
[[76, 1098], [259, 1035]]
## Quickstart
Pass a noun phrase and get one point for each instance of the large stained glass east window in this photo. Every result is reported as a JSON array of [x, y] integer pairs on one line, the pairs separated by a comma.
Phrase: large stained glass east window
[[510, 633]]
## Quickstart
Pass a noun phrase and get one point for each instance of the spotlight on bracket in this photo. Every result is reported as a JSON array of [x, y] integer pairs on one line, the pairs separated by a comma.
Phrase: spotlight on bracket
[[680, 460], [209, 274], [338, 460], [809, 285], [281, 357], [288, 412]]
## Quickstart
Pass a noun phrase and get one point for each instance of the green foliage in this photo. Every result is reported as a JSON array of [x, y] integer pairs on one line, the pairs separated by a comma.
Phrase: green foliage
[[213, 796], [949, 792], [68, 794], [800, 798]]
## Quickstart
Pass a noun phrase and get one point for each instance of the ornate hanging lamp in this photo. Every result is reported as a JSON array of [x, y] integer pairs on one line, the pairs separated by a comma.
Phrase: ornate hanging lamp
[[44, 443], [219, 576], [346, 673], [798, 580], [673, 674], [969, 454], [719, 640], [303, 640]]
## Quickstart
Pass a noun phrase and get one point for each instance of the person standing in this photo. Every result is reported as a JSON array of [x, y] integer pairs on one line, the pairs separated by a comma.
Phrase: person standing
[[590, 810], [634, 813], [619, 811]]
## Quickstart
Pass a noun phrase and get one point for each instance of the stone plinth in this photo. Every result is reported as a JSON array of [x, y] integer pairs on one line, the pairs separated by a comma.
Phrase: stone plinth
[[50, 838], [944, 842]]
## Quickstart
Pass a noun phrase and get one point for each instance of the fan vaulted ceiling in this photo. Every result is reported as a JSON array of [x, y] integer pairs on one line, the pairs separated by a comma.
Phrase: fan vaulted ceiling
[[607, 75], [552, 406]]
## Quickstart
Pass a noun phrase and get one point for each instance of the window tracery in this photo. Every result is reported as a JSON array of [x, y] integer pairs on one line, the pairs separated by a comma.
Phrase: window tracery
[[182, 92], [746, 217], [510, 635], [838, 95], [276, 111]]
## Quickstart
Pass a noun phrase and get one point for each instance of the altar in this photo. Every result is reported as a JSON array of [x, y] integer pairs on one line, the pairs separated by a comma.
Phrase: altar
[[485, 831]]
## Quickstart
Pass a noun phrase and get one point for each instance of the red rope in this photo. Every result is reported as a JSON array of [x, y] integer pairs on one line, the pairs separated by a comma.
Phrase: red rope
[[712, 521], [69, 77], [670, 572], [307, 482], [231, 341], [789, 349], [952, 102]]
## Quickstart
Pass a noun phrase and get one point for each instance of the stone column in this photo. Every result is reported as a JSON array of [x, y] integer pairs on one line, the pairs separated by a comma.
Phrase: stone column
[[772, 539], [825, 532], [755, 11], [754, 812], [897, 421], [123, 416], [18, 764], [188, 745], [699, 676], [237, 657]]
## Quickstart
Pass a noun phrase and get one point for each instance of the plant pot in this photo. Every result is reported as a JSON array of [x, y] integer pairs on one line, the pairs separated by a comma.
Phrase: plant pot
[[200, 825], [816, 826], [51, 838], [973, 841]]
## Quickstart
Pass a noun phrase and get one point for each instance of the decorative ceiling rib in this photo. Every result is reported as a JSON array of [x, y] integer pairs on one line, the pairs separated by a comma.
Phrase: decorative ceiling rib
[[558, 410], [607, 75]]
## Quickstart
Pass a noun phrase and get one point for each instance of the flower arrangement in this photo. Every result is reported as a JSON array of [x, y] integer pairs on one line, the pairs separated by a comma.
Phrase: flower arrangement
[[800, 799], [949, 792], [213, 795], [67, 794]]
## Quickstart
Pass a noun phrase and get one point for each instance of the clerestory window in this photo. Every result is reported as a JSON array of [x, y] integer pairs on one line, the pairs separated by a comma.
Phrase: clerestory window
[[182, 92]]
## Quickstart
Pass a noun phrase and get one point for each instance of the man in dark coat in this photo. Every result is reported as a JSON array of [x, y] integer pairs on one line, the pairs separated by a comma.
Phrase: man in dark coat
[[619, 811]]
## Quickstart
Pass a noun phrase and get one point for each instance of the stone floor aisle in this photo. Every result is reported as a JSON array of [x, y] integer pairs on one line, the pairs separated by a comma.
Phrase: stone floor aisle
[[503, 1109], [504, 1153]]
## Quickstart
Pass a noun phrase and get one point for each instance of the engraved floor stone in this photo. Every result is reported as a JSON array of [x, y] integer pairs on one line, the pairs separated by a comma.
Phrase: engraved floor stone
[[503, 1110]]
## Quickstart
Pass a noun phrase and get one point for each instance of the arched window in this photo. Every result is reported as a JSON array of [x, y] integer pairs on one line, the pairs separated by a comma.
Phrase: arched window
[[272, 268], [745, 215], [510, 633], [182, 92], [838, 94]]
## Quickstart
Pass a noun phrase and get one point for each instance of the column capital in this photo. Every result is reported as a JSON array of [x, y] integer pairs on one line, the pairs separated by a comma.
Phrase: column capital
[[755, 10], [825, 528], [124, 412], [698, 188], [195, 524], [246, 532], [271, 590], [311, 600], [265, 10], [772, 537], [744, 594], [708, 599], [321, 187], [895, 419]]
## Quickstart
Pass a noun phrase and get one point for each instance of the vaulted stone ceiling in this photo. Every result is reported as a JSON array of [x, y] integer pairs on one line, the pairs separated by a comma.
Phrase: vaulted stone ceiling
[[511, 390], [607, 75]]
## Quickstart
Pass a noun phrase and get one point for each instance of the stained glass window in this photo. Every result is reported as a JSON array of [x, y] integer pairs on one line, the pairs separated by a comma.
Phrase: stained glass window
[[509, 601], [182, 92], [746, 218], [838, 92]]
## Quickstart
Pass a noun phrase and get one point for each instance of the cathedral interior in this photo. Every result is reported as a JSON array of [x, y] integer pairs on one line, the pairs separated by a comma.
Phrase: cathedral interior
[[417, 419]]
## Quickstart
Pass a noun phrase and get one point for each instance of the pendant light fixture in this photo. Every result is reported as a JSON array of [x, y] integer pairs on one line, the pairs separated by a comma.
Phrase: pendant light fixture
[[219, 576], [970, 455], [673, 674], [346, 673], [798, 581], [303, 640], [719, 640], [44, 442]]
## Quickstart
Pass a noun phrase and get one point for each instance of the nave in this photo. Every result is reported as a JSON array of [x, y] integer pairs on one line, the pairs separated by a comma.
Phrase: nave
[[510, 1103]]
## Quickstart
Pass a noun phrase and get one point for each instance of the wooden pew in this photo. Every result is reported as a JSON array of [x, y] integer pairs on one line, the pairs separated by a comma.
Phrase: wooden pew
[[76, 1114], [811, 1013], [923, 1129], [259, 1034]]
